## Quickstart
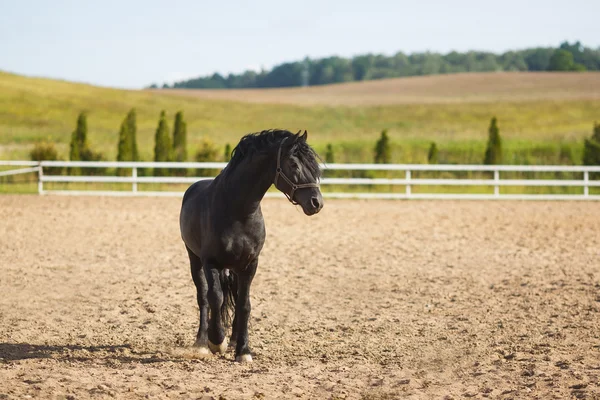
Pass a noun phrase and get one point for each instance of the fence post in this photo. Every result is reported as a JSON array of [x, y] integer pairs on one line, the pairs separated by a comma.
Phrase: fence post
[[134, 176], [408, 191], [496, 180], [586, 180], [40, 175]]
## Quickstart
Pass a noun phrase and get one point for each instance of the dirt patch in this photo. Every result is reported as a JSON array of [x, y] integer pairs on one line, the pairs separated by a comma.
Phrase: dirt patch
[[368, 299], [452, 88]]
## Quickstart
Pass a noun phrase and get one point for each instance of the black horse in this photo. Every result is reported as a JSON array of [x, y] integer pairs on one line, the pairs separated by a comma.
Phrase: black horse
[[224, 231]]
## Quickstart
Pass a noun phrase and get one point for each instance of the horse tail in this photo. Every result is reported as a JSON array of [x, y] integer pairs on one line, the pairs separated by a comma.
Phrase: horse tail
[[229, 286]]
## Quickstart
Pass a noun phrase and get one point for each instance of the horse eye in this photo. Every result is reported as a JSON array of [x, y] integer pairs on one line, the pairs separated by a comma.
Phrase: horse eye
[[293, 165]]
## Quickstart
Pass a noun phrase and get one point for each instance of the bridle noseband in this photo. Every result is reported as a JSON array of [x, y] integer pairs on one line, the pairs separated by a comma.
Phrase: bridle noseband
[[293, 186]]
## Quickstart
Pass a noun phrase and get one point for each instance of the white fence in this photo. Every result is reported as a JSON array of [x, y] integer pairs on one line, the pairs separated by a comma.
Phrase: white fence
[[495, 181]]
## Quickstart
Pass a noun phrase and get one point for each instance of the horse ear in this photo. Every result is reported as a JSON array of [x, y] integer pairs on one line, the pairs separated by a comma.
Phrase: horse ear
[[304, 136]]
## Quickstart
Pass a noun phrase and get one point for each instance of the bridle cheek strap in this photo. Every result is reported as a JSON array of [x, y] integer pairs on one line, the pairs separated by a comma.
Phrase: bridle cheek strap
[[293, 186]]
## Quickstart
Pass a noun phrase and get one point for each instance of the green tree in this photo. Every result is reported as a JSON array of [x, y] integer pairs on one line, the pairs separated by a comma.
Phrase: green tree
[[538, 58], [162, 144], [179, 138], [179, 142], [493, 152], [124, 151], [513, 61], [80, 149], [127, 148], [382, 149], [591, 152], [591, 148], [132, 128], [79, 138], [361, 66], [207, 152], [432, 156], [45, 151], [78, 145], [227, 153], [376, 66], [561, 60]]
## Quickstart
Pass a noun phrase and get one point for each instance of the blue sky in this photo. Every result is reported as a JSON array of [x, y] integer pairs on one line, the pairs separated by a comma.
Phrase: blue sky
[[131, 44]]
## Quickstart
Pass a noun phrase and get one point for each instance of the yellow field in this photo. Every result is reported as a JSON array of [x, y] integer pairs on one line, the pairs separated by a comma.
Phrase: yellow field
[[436, 89], [452, 109]]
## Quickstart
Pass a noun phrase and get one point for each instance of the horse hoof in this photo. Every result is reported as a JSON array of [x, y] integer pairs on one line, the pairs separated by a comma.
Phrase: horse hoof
[[218, 348], [244, 358], [201, 350]]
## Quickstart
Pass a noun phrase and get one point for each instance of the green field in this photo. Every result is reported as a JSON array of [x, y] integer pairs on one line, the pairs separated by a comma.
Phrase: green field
[[534, 131]]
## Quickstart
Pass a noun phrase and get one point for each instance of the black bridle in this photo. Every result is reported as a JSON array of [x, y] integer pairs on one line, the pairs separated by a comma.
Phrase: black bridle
[[293, 186]]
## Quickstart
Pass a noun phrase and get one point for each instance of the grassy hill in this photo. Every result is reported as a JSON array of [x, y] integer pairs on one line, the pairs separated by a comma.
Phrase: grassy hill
[[533, 109]]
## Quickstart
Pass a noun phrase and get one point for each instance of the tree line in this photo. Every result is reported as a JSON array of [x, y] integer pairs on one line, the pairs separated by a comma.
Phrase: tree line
[[168, 146], [566, 57], [172, 146], [493, 155]]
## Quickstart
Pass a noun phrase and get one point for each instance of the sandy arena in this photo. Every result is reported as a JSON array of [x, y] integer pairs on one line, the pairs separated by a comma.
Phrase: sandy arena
[[368, 299]]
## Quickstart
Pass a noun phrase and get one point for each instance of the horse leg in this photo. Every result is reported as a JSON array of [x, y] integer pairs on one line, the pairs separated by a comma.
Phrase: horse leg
[[201, 293], [242, 312], [216, 333], [233, 337]]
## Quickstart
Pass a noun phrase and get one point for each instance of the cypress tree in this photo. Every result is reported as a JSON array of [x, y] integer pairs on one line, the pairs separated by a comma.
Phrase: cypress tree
[[132, 130], [80, 149], [179, 138], [432, 156], [74, 148], [162, 144], [127, 149], [493, 152], [79, 143], [79, 146], [179, 143], [382, 149], [591, 152], [591, 148], [124, 152]]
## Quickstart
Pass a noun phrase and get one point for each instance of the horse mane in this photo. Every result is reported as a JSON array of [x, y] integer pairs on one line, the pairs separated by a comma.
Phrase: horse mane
[[264, 141]]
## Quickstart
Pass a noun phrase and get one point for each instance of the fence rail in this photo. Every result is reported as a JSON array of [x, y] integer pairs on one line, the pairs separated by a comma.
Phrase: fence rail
[[408, 181]]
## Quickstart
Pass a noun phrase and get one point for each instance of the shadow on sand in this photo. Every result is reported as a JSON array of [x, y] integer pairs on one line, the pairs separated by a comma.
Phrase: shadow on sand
[[123, 353]]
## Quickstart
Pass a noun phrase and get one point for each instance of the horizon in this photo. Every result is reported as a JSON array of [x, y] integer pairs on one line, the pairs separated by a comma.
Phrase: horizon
[[138, 46], [225, 74]]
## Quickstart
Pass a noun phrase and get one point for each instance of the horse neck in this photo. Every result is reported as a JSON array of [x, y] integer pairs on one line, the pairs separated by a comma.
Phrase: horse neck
[[244, 187]]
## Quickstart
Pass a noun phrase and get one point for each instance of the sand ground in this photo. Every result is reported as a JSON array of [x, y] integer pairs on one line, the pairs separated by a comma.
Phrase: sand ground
[[368, 299]]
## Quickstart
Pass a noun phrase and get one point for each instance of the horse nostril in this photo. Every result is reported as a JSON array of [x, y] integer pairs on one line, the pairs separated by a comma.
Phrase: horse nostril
[[315, 202]]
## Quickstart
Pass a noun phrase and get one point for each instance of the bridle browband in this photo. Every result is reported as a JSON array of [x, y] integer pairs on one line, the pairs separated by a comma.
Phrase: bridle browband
[[293, 186]]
